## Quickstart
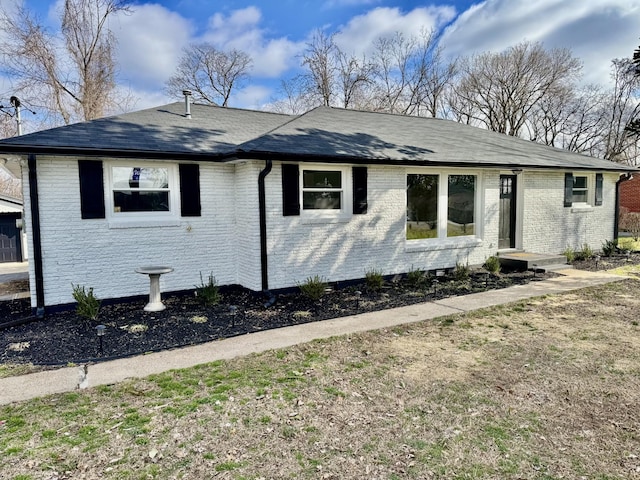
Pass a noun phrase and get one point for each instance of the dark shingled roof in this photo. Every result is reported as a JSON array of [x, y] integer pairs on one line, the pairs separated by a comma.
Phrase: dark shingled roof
[[323, 134], [157, 132]]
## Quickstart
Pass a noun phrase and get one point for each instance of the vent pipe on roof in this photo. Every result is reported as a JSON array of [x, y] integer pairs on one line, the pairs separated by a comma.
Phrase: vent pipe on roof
[[187, 103]]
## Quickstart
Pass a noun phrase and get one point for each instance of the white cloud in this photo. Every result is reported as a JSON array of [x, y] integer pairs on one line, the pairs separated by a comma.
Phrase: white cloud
[[150, 42], [348, 3], [596, 31], [252, 97], [241, 30], [360, 33]]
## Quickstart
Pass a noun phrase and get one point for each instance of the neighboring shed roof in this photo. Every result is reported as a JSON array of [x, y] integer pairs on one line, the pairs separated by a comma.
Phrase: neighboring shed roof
[[10, 204], [162, 131], [323, 134], [331, 134]]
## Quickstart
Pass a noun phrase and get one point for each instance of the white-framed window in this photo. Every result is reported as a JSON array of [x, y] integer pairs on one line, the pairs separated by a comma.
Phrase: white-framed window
[[442, 205], [325, 191], [142, 192], [580, 190]]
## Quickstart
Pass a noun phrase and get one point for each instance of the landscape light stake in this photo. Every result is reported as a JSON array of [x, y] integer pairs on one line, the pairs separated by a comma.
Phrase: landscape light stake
[[597, 261], [628, 254], [233, 310], [486, 281], [435, 287], [100, 331], [358, 294], [535, 269]]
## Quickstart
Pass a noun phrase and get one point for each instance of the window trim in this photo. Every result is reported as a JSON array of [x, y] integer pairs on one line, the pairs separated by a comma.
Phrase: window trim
[[442, 241], [592, 185], [143, 219], [345, 211]]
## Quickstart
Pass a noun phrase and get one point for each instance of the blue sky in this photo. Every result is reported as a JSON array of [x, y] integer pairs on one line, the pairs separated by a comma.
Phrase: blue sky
[[274, 33]]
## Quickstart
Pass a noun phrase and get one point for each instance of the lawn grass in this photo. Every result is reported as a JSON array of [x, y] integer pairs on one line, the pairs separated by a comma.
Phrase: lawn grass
[[547, 388]]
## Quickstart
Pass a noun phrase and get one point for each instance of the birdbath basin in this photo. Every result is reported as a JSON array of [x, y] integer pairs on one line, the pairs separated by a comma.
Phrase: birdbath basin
[[155, 302]]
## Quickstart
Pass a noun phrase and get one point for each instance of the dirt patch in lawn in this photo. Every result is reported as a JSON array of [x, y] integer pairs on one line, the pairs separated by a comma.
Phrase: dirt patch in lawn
[[547, 388]]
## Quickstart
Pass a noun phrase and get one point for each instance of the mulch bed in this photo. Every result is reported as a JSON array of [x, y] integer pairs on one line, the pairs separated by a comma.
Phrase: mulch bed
[[64, 337]]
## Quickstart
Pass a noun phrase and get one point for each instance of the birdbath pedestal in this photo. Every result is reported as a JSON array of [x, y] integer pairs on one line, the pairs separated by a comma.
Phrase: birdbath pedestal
[[155, 302]]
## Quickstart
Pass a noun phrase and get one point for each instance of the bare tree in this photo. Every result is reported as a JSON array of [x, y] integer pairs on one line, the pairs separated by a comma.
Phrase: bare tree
[[211, 74], [623, 109], [292, 97], [73, 75], [499, 90], [320, 61]]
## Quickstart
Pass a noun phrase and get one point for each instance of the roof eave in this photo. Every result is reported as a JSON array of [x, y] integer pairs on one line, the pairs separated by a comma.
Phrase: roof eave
[[113, 153], [290, 157]]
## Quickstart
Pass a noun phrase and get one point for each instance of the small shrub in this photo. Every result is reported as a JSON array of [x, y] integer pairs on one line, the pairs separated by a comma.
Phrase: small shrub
[[585, 253], [492, 264], [570, 254], [313, 287], [374, 279], [609, 247], [415, 278], [461, 272], [208, 293], [88, 304]]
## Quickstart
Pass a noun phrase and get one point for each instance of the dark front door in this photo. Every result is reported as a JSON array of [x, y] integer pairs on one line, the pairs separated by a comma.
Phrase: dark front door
[[9, 239], [507, 236]]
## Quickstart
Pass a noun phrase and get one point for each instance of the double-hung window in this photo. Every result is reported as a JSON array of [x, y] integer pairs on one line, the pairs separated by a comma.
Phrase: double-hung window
[[580, 191], [322, 190], [142, 192], [325, 192], [583, 189], [441, 206]]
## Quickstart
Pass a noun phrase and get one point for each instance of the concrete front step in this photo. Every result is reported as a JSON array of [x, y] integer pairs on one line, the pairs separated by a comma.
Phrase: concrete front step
[[528, 261], [554, 268]]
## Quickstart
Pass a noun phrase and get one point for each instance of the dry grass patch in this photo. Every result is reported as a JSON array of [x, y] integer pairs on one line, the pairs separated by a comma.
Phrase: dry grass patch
[[541, 389]]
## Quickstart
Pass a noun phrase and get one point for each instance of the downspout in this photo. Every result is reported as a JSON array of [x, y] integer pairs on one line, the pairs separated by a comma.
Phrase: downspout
[[35, 234], [622, 179], [262, 206]]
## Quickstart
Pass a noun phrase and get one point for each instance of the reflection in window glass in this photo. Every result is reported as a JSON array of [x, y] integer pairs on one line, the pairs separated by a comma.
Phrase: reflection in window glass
[[140, 189], [422, 206], [461, 205], [321, 189]]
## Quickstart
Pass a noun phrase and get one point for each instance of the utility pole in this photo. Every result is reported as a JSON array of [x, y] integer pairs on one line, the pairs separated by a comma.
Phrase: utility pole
[[15, 101]]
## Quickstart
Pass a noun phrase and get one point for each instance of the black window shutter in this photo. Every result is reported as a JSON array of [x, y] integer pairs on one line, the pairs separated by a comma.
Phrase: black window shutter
[[359, 190], [568, 189], [91, 188], [190, 190], [598, 189], [290, 190]]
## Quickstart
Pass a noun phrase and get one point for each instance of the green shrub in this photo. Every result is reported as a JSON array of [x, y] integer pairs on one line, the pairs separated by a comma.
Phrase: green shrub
[[208, 293], [609, 247], [416, 277], [313, 287], [461, 272], [570, 254], [88, 304], [492, 264], [374, 279], [585, 253]]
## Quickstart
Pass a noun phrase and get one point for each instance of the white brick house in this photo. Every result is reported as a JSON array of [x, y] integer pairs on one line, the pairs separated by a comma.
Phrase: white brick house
[[265, 200]]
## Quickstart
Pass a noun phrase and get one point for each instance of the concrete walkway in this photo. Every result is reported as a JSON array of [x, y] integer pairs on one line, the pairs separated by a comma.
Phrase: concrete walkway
[[15, 389], [10, 272]]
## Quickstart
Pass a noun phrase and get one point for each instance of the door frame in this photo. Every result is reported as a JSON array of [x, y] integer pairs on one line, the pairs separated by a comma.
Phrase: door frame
[[516, 217]]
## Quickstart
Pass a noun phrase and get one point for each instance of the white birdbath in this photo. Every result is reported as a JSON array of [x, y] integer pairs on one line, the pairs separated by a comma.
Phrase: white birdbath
[[155, 302]]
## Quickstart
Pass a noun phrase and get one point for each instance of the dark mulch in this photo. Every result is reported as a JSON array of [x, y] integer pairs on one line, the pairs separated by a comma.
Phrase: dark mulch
[[64, 337]]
